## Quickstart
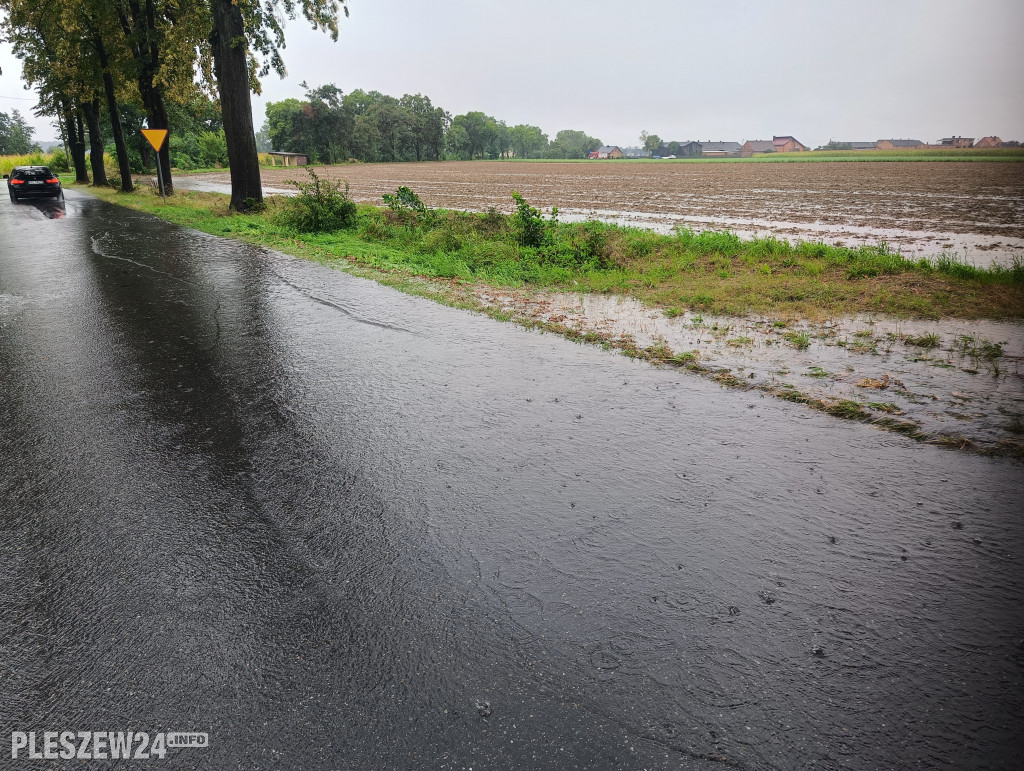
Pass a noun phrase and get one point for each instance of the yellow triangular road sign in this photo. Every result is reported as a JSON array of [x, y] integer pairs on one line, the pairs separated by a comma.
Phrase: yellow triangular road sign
[[156, 137]]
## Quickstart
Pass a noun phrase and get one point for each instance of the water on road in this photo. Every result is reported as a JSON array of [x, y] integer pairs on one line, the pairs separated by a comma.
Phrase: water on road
[[335, 526]]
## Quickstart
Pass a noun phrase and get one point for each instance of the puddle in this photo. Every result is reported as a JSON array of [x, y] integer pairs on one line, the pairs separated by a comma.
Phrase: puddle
[[975, 248], [201, 185], [953, 378]]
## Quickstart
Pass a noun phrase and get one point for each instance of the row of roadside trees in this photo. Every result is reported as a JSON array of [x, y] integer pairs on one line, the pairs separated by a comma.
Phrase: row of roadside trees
[[330, 126], [93, 61]]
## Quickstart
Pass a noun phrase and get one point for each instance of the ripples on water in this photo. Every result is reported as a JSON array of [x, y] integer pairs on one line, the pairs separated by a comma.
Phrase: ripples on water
[[355, 528]]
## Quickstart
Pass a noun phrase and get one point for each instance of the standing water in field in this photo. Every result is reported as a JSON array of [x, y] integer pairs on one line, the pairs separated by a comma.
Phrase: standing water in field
[[971, 210], [954, 380]]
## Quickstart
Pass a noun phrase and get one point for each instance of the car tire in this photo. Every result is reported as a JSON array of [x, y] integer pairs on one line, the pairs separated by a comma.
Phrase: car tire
[[14, 198]]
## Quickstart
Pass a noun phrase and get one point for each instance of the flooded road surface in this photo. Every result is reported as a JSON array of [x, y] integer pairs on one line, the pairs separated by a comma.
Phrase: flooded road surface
[[337, 527]]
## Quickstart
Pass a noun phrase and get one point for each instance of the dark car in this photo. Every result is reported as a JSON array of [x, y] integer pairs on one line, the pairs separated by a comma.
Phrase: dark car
[[32, 181]]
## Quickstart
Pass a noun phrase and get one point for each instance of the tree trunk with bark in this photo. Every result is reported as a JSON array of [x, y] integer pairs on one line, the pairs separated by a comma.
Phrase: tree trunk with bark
[[123, 166], [92, 117], [76, 144], [138, 23], [231, 68]]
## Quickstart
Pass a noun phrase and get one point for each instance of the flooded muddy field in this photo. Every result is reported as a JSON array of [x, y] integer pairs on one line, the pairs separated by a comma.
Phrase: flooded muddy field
[[975, 210], [959, 382]]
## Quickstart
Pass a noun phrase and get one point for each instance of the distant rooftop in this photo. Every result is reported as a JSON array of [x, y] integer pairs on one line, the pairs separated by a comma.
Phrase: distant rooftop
[[720, 147], [902, 142]]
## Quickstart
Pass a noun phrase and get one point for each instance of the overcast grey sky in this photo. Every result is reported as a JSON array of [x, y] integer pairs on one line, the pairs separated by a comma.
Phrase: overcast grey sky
[[728, 70]]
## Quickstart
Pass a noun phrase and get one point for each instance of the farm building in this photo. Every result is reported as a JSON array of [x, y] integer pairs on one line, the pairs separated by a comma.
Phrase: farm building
[[719, 149], [959, 142], [987, 143], [603, 153], [863, 145], [756, 147], [636, 152], [787, 145], [899, 144], [289, 159], [681, 150]]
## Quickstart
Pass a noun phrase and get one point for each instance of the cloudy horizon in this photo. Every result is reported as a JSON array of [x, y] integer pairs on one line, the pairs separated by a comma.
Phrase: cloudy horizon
[[739, 70]]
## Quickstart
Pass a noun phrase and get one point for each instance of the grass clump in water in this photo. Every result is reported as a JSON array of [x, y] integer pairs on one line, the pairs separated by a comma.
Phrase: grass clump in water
[[799, 340], [929, 340]]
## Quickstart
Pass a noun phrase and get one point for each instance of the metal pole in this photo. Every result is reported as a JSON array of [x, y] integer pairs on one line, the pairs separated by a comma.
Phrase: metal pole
[[160, 176]]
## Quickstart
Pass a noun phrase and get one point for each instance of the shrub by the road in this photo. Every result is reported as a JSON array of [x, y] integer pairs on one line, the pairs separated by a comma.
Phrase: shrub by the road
[[530, 225], [321, 206]]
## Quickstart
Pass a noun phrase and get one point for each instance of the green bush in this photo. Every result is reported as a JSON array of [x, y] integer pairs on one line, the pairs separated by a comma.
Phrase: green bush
[[404, 199], [184, 151], [442, 240], [407, 209], [530, 226], [590, 244], [320, 206], [58, 162], [213, 148], [491, 224], [184, 162], [134, 157]]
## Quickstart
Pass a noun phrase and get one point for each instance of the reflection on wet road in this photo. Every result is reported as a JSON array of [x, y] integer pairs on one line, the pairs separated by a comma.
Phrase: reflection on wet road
[[50, 208], [339, 527]]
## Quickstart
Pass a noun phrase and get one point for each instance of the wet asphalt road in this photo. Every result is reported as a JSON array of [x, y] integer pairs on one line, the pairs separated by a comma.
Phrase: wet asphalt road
[[337, 527]]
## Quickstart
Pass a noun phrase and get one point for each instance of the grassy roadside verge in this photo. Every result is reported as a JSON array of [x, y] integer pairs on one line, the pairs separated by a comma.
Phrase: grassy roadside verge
[[710, 272], [455, 258]]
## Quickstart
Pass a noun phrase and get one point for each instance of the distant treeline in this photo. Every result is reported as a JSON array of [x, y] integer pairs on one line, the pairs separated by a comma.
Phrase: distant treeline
[[330, 127]]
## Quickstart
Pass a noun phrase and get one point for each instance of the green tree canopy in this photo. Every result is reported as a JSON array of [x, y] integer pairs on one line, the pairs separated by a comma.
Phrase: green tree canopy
[[15, 134], [528, 141], [480, 134], [572, 144]]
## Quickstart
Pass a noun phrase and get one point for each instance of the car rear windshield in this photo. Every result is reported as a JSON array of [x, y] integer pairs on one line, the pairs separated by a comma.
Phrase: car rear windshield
[[40, 172]]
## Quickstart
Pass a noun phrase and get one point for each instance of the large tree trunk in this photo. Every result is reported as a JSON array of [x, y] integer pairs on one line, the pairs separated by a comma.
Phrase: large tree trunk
[[81, 174], [139, 26], [123, 166], [231, 68], [76, 144], [92, 117]]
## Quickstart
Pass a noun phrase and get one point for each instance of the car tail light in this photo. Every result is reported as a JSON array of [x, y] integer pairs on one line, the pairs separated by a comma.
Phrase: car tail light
[[17, 182], [52, 181]]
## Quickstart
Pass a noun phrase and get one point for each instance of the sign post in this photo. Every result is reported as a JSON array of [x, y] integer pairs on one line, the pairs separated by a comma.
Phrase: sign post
[[156, 138]]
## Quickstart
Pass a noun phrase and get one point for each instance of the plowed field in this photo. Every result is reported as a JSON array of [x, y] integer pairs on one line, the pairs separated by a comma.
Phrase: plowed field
[[973, 209]]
